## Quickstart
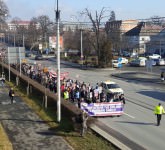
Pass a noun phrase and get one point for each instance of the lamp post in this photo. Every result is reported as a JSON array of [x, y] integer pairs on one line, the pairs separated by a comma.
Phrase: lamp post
[[9, 62], [58, 67], [160, 47], [82, 57], [23, 40]]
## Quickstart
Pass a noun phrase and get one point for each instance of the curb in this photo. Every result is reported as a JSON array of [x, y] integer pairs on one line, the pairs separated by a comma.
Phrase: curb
[[110, 138], [119, 140]]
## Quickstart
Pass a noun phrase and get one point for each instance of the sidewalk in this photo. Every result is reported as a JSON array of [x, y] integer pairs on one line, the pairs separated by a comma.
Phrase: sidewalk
[[25, 129]]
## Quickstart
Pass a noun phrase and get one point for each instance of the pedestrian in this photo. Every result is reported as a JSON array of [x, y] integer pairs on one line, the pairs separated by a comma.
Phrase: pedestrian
[[162, 76], [122, 98], [77, 97], [84, 119], [66, 94], [2, 82], [103, 96], [11, 95], [159, 110], [2, 79]]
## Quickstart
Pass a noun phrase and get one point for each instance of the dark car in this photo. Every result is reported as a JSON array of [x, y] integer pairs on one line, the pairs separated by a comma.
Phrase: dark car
[[28, 54], [38, 57]]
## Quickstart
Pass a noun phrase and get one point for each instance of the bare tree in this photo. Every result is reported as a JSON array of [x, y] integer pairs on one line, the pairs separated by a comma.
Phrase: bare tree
[[4, 14], [16, 32], [4, 11], [33, 34], [44, 23], [99, 32], [72, 39]]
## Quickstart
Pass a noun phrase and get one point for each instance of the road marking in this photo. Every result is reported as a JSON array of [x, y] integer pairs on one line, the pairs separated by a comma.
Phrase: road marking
[[129, 115]]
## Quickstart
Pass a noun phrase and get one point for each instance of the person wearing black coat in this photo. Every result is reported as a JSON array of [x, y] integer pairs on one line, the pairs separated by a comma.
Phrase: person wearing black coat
[[11, 95]]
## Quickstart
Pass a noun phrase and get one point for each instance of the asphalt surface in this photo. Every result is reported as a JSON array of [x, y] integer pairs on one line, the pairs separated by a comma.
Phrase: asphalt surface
[[24, 128]]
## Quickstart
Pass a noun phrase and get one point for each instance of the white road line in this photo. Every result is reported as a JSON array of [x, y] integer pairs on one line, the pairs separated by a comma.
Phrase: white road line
[[129, 115]]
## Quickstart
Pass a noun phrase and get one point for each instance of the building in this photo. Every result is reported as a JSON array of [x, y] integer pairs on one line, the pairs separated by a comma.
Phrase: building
[[12, 26], [116, 29], [119, 25], [157, 44], [140, 36], [73, 26]]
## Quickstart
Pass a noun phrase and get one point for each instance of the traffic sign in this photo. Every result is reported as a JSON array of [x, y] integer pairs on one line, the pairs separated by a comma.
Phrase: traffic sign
[[119, 59]]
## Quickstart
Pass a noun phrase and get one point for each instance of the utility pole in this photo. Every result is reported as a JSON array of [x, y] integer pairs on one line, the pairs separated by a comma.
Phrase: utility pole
[[160, 48], [14, 38], [8, 61], [23, 40], [58, 66], [82, 57]]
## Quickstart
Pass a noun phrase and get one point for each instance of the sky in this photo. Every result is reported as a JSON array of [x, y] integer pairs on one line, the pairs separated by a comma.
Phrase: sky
[[124, 9]]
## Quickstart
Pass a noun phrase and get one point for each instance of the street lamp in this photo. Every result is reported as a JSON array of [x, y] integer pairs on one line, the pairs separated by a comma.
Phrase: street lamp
[[58, 67], [82, 57], [160, 47]]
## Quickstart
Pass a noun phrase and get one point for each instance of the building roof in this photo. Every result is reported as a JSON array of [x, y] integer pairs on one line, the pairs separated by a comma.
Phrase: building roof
[[144, 29]]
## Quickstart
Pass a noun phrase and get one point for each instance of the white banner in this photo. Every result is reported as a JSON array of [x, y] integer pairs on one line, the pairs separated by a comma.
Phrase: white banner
[[103, 109]]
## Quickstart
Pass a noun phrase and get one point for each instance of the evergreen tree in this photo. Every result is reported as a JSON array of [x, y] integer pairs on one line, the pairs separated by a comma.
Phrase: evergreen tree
[[112, 16]]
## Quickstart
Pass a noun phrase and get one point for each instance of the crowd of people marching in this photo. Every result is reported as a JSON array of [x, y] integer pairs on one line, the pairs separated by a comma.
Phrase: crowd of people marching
[[71, 90]]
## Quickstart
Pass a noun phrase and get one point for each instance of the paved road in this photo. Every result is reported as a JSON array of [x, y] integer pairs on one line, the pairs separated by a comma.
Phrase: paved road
[[141, 76], [25, 129]]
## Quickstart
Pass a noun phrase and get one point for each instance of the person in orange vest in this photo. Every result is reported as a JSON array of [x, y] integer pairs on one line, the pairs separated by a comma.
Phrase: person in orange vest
[[159, 110]]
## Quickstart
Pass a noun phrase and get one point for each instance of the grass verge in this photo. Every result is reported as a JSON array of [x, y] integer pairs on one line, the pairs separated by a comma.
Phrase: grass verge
[[5, 143]]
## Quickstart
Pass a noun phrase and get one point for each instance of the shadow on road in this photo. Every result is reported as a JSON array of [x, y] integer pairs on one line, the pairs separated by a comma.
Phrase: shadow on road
[[154, 94], [137, 123]]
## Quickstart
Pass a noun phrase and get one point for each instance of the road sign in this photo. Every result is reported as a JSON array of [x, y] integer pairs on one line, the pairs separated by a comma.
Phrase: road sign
[[40, 46], [119, 61]]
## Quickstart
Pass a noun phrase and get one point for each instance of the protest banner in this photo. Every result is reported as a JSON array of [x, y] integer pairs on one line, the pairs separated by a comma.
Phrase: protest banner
[[103, 109]]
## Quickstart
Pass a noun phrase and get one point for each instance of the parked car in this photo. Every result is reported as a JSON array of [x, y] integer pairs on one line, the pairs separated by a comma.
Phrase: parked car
[[126, 54], [138, 62], [134, 55], [160, 62], [124, 60], [116, 64], [154, 56], [38, 57], [28, 54], [157, 62]]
